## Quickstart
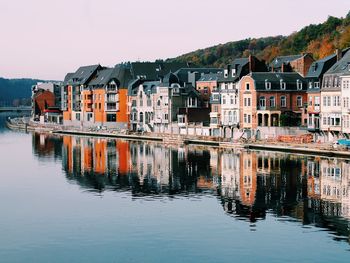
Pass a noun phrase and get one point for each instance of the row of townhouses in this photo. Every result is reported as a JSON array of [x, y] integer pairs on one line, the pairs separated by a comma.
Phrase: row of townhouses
[[246, 97]]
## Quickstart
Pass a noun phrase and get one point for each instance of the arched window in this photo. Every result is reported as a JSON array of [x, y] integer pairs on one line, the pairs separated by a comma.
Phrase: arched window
[[141, 117]]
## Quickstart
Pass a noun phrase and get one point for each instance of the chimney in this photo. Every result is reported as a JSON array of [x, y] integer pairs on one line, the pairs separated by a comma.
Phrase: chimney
[[251, 62], [283, 67], [338, 54]]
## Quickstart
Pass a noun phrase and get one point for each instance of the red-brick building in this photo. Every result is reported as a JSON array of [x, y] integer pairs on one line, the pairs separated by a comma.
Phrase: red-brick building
[[272, 99]]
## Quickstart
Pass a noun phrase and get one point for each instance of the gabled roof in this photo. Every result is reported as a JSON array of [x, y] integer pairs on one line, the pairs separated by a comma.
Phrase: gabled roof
[[290, 78], [83, 75], [241, 67], [278, 61], [319, 67], [67, 78], [342, 66], [102, 77]]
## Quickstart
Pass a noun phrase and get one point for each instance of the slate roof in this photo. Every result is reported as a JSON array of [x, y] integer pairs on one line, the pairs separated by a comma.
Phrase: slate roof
[[154, 70], [209, 77], [83, 75], [102, 77], [319, 67], [67, 78], [183, 73], [342, 66], [278, 61], [241, 65], [290, 78]]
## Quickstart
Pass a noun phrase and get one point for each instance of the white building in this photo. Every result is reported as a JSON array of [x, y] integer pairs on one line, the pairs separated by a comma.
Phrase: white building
[[345, 109]]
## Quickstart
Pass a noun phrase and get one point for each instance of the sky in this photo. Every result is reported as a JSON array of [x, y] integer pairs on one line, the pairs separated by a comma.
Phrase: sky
[[48, 38]]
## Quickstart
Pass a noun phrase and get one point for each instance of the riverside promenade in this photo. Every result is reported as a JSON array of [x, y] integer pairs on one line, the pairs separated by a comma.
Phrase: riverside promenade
[[314, 149]]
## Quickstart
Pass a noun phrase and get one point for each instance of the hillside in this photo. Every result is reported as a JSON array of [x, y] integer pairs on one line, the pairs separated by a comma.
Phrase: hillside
[[320, 40], [16, 91]]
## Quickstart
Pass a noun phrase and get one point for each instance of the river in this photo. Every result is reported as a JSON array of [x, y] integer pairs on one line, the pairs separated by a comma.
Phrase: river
[[81, 199]]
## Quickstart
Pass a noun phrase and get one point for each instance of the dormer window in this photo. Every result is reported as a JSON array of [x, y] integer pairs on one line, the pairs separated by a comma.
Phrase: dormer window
[[233, 72], [282, 84], [226, 73], [310, 85], [299, 85], [267, 84]]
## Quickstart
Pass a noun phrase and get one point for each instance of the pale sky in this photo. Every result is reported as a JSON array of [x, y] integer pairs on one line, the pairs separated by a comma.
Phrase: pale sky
[[48, 38]]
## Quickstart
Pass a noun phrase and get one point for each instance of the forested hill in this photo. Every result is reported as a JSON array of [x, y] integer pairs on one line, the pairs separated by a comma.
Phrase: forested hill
[[16, 91], [320, 40]]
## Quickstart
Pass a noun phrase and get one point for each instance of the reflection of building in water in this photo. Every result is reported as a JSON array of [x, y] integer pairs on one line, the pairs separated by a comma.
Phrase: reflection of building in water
[[46, 145], [83, 155], [230, 174], [333, 187], [313, 190], [248, 178]]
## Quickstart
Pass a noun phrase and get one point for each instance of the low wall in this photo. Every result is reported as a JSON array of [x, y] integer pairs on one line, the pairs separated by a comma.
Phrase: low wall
[[268, 132], [87, 124]]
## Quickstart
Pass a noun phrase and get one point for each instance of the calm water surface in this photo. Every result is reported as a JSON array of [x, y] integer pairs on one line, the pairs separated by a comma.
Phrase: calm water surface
[[79, 199]]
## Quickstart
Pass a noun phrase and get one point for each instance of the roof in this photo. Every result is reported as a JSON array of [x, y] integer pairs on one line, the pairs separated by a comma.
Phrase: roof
[[83, 75], [154, 70], [319, 67], [184, 74], [102, 77], [209, 77], [342, 66], [278, 61], [67, 78], [241, 67], [290, 78]]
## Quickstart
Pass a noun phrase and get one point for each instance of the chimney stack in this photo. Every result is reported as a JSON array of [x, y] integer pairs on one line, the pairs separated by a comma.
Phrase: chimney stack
[[338, 54]]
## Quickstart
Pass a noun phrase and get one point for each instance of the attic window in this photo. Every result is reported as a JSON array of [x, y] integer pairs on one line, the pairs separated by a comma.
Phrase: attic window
[[267, 84], [299, 85], [283, 84], [225, 73]]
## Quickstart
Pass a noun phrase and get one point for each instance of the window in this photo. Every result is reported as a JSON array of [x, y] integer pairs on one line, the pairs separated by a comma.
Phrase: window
[[283, 101], [247, 86], [310, 85], [310, 101], [223, 99], [111, 117], [346, 102], [299, 101], [272, 102], [317, 85], [216, 108], [247, 102], [317, 101], [77, 116], [267, 84], [262, 102], [231, 98], [141, 117], [230, 116], [282, 84], [166, 116], [299, 85], [192, 102]]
